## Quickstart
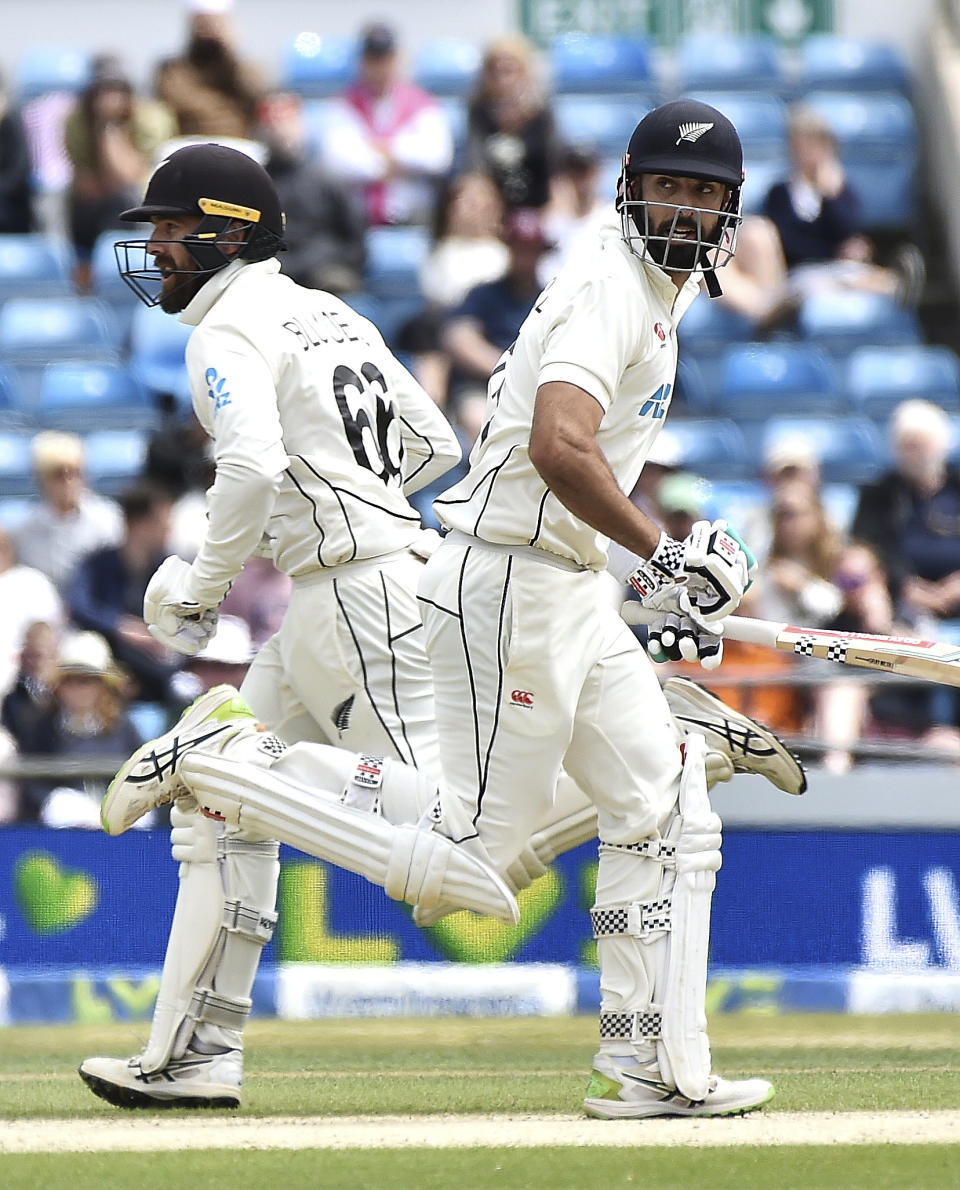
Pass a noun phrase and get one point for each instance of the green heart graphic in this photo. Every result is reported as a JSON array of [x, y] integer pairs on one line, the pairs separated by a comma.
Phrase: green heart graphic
[[468, 938], [51, 897]]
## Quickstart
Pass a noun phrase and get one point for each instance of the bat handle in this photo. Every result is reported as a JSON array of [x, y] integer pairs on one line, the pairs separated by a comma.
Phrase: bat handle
[[742, 628]]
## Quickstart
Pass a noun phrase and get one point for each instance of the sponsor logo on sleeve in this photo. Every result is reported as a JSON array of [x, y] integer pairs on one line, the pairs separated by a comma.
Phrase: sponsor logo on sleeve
[[217, 389]]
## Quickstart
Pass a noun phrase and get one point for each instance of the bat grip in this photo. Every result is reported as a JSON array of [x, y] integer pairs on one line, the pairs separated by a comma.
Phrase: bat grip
[[742, 628]]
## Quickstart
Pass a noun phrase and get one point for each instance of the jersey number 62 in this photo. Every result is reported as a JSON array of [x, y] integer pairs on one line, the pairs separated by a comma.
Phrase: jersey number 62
[[370, 421]]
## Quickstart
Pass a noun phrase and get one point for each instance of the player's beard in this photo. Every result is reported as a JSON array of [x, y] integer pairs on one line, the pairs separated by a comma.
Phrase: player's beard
[[674, 254], [184, 289]]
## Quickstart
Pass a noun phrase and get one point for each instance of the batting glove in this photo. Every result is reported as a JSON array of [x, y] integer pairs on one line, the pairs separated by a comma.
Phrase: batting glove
[[678, 638], [172, 615]]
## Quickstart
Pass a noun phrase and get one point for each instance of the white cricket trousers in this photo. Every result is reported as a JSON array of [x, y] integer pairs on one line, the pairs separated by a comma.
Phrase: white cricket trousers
[[533, 669], [348, 666]]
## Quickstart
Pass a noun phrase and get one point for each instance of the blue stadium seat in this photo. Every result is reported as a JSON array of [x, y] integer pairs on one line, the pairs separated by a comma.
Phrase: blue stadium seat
[[602, 63], [761, 121], [316, 65], [838, 321], [690, 393], [447, 66], [157, 345], [603, 122], [706, 330], [315, 115], [149, 718], [37, 330], [14, 411], [764, 379], [106, 282], [849, 450], [878, 142], [80, 395], [44, 68], [14, 510], [738, 501], [712, 447], [394, 257], [115, 458], [34, 265], [830, 62], [730, 62], [16, 467], [879, 378]]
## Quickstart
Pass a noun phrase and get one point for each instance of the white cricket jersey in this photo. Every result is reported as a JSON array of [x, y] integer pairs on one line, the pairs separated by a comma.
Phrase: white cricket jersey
[[317, 428], [606, 323]]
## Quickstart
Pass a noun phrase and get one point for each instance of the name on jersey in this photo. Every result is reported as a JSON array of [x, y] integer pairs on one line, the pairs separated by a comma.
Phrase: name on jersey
[[324, 327]]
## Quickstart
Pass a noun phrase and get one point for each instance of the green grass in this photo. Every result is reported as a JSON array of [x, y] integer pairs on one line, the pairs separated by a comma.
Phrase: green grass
[[331, 1068], [889, 1167]]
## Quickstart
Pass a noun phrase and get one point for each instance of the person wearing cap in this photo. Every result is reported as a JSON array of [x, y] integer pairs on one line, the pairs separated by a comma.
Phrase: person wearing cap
[[319, 436], [516, 613], [88, 720], [69, 520], [211, 90], [387, 137]]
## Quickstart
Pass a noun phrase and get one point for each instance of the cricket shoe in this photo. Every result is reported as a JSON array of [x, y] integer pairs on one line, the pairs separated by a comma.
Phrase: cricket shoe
[[151, 777], [195, 1080], [748, 745], [620, 1089]]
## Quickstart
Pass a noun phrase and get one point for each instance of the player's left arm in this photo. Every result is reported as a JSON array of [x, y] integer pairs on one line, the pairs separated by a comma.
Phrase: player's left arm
[[235, 390]]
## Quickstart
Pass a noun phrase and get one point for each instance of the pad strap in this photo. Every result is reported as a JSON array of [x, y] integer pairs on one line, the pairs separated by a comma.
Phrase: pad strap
[[661, 850], [629, 1026], [249, 922], [217, 1009], [642, 919]]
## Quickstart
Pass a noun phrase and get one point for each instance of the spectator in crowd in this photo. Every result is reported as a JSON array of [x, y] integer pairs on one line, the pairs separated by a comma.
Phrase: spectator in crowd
[[785, 460], [26, 595], [209, 88], [27, 702], [484, 325], [511, 133], [794, 585], [810, 236], [69, 520], [111, 138], [577, 208], [468, 250], [16, 170], [911, 516], [106, 594], [325, 220], [389, 136], [841, 706], [179, 457], [87, 720]]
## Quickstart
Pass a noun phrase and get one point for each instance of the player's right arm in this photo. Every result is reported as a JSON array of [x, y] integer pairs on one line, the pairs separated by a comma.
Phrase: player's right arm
[[564, 449]]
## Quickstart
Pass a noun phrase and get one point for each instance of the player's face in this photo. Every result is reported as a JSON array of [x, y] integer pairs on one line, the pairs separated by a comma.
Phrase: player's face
[[174, 261], [680, 214]]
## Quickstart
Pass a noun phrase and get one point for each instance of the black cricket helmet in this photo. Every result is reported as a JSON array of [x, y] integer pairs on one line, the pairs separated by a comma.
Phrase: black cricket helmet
[[684, 139], [229, 190]]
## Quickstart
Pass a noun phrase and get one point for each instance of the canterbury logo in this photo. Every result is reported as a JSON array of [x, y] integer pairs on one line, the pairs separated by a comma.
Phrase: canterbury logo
[[521, 698], [692, 132]]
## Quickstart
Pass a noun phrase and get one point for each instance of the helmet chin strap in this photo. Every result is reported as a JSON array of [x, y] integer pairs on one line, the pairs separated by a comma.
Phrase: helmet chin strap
[[712, 284]]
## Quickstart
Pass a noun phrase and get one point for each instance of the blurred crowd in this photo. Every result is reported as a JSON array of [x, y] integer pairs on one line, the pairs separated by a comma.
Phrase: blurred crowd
[[504, 205]]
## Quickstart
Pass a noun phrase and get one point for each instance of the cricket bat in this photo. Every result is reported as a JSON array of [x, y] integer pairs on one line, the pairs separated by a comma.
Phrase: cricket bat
[[913, 658]]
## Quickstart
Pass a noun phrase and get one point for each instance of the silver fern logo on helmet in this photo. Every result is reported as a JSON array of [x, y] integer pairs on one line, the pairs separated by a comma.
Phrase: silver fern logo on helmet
[[692, 132]]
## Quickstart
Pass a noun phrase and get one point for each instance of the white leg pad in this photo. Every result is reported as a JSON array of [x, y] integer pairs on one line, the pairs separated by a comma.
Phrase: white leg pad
[[684, 1049], [211, 927], [414, 864]]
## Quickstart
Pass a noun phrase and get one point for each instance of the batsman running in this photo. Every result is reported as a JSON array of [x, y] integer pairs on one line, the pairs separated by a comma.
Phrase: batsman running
[[319, 434], [514, 611]]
